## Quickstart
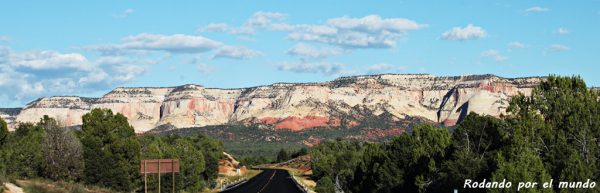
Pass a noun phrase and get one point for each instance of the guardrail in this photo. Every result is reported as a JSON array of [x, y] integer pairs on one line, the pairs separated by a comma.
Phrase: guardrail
[[233, 184], [298, 184]]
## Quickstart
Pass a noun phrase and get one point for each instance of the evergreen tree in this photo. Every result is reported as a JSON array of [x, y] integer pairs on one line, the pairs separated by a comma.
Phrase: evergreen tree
[[282, 156], [522, 165], [561, 115], [475, 143], [3, 132], [24, 152], [111, 152], [325, 185]]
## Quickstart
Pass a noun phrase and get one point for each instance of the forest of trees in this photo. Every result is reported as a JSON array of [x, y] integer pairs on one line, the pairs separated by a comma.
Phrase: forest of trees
[[551, 134], [105, 152]]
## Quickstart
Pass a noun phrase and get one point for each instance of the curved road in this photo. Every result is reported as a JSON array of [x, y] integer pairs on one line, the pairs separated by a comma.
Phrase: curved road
[[268, 181]]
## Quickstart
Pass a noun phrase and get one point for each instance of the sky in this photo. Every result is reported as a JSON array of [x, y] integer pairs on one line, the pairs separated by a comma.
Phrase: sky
[[87, 48]]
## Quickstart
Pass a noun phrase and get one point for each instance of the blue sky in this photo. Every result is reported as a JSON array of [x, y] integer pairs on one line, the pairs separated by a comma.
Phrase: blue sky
[[87, 48]]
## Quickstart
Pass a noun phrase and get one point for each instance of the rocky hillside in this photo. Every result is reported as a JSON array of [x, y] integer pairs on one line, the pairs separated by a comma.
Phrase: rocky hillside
[[345, 101]]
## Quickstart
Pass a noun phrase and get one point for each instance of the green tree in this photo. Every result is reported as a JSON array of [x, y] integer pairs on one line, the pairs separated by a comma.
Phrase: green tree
[[110, 150], [420, 154], [377, 172], [475, 143], [302, 151], [560, 116], [282, 156], [325, 185], [191, 158], [522, 165], [212, 150], [24, 152], [3, 132]]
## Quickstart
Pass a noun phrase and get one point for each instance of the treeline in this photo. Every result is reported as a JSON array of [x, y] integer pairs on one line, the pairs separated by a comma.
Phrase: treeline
[[551, 134], [105, 152], [282, 156]]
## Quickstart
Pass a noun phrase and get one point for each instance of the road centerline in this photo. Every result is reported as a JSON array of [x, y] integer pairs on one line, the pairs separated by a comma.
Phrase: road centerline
[[271, 178]]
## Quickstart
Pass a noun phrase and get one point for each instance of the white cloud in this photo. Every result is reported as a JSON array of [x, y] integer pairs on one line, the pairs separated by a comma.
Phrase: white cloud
[[558, 48], [27, 75], [384, 68], [173, 44], [469, 32], [144, 43], [215, 27], [125, 13], [235, 52], [516, 45], [304, 50], [4, 38], [494, 54], [370, 31], [177, 43], [537, 9], [375, 23], [259, 20], [315, 68], [562, 31], [263, 19], [48, 60]]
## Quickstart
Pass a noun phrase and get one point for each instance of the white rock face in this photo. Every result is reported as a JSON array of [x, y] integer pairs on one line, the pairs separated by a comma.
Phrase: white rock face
[[194, 105], [295, 106], [141, 106], [67, 109]]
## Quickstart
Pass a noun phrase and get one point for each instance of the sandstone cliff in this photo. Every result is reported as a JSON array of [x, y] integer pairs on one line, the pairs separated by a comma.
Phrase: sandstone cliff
[[296, 106]]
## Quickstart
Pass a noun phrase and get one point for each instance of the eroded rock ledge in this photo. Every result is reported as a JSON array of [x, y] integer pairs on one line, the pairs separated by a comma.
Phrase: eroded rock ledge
[[294, 106]]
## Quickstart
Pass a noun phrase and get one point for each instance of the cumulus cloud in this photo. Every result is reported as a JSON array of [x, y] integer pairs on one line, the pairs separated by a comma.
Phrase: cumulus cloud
[[558, 48], [516, 45], [370, 31], [537, 9], [258, 20], [470, 32], [494, 54], [235, 52], [324, 68], [562, 31], [48, 59], [307, 51], [31, 74]]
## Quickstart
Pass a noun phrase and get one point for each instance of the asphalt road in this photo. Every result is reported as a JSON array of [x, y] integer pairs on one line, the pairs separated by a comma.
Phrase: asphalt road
[[268, 181]]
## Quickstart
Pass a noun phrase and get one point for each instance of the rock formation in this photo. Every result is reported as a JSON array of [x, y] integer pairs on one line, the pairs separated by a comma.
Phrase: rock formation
[[296, 106]]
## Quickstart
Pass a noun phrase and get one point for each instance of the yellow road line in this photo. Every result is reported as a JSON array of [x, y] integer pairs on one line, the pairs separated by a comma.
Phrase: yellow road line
[[267, 182]]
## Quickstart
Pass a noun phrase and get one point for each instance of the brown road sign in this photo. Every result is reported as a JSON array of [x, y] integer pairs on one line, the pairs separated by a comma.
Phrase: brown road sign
[[152, 166]]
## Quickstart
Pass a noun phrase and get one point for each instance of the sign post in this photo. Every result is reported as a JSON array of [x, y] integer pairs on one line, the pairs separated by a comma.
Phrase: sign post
[[158, 166]]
